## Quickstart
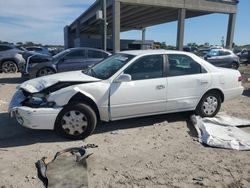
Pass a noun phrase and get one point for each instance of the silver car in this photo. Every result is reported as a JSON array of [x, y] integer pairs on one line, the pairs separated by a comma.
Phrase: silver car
[[11, 60], [223, 58]]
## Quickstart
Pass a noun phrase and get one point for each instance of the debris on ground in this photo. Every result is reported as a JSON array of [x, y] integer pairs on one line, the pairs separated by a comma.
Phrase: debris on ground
[[222, 132], [68, 168]]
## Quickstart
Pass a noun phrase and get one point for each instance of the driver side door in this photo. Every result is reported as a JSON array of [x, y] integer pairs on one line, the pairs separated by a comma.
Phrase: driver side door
[[145, 94], [74, 60]]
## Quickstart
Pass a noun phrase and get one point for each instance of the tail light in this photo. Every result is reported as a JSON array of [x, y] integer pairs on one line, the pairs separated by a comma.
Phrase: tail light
[[240, 78]]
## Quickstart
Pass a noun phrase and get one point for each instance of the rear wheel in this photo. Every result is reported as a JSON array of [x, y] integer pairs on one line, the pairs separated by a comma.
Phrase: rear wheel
[[209, 105], [9, 67], [234, 65], [45, 71], [76, 121]]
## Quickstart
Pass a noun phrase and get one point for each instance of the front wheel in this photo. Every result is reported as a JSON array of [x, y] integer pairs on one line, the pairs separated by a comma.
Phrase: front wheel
[[76, 121], [209, 105], [45, 71], [9, 67]]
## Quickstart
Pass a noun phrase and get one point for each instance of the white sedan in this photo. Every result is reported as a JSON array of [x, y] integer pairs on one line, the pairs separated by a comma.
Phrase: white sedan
[[126, 85]]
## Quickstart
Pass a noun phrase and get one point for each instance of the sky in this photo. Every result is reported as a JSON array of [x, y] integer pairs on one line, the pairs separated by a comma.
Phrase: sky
[[42, 21]]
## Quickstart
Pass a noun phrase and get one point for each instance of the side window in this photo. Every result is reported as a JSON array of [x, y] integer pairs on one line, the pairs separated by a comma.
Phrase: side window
[[147, 67], [4, 48], [104, 55], [179, 65], [222, 53], [94, 54], [76, 54]]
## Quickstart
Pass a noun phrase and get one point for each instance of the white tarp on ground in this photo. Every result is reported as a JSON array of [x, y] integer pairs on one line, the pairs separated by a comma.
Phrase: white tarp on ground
[[222, 132]]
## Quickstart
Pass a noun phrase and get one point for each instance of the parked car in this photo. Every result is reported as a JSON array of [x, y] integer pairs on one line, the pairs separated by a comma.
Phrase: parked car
[[11, 60], [244, 54], [67, 60], [223, 58], [190, 49], [125, 85], [203, 51], [38, 49]]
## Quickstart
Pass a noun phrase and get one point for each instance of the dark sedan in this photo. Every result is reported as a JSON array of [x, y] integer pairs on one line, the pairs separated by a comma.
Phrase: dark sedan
[[68, 60]]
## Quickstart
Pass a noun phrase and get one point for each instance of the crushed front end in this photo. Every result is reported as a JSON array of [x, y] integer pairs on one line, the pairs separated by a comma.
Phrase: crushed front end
[[32, 110]]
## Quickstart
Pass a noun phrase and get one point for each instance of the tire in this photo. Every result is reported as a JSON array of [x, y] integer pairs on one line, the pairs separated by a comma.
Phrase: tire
[[235, 65], [76, 121], [209, 105], [9, 67], [45, 71]]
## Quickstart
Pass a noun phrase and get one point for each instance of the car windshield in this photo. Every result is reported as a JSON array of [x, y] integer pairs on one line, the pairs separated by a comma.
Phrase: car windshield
[[212, 53], [61, 54], [109, 66]]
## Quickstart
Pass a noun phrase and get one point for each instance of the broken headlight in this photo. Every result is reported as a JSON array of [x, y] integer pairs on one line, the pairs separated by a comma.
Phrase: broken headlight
[[38, 100]]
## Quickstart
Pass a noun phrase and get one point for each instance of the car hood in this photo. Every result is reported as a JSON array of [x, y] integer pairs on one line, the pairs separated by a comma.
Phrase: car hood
[[38, 84]]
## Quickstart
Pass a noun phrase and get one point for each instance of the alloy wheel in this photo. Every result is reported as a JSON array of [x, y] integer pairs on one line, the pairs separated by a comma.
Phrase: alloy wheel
[[45, 72], [9, 67]]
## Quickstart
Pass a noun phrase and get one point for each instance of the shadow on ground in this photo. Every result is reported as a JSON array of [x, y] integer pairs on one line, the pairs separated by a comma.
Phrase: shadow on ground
[[13, 135], [12, 80]]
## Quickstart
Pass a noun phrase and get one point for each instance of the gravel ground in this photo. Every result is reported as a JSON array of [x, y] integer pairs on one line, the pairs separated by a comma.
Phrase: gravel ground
[[157, 151]]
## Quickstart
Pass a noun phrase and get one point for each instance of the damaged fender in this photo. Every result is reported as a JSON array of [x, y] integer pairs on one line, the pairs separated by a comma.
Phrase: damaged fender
[[63, 96]]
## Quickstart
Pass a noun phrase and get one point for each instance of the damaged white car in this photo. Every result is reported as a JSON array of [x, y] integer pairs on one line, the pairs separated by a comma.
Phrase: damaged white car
[[126, 85]]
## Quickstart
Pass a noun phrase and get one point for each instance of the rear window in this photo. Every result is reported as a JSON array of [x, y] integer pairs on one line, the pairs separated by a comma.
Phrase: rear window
[[76, 54], [95, 54]]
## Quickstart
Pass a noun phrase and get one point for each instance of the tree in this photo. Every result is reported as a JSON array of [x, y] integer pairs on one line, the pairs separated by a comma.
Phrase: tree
[[19, 43], [163, 45], [28, 43]]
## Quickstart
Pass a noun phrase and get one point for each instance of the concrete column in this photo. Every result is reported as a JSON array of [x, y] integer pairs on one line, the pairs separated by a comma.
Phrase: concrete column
[[143, 38], [116, 26], [77, 39], [104, 37], [180, 29], [230, 30], [66, 37]]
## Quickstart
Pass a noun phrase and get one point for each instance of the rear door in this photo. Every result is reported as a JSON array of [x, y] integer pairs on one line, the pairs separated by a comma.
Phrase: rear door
[[187, 81], [220, 59], [74, 60], [226, 58]]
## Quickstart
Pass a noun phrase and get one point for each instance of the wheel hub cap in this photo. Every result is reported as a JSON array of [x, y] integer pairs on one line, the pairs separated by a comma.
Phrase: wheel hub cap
[[210, 105], [74, 122]]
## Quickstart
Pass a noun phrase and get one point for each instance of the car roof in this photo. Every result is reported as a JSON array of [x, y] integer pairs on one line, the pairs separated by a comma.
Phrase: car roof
[[152, 52], [227, 50], [10, 45], [38, 47], [88, 48]]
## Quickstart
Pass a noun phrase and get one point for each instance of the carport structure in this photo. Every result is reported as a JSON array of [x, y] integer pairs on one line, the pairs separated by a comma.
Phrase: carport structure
[[125, 15]]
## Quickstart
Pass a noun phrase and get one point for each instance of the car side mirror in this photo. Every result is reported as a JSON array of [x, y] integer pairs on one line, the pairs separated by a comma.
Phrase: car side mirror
[[61, 60], [123, 78]]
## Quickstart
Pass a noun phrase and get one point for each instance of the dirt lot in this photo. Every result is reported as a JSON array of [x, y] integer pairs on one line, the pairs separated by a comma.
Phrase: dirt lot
[[158, 151]]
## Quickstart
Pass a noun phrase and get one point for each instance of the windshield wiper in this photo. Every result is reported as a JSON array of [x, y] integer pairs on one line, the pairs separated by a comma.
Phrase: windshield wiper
[[89, 72], [93, 72]]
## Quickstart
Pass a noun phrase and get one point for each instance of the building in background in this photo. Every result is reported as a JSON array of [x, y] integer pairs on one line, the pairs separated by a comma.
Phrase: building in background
[[90, 30]]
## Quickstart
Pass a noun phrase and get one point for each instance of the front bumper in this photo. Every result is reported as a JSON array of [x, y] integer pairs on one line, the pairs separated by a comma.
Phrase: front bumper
[[35, 118]]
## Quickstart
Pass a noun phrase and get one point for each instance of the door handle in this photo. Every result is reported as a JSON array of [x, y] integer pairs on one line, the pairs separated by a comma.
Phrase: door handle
[[203, 81], [160, 87]]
